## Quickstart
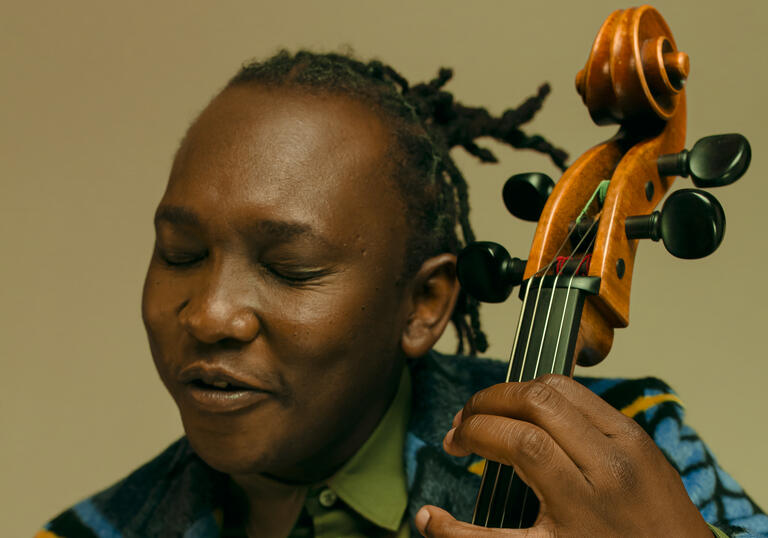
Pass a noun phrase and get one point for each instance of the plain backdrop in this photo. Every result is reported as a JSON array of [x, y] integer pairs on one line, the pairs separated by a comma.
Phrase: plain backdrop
[[95, 96]]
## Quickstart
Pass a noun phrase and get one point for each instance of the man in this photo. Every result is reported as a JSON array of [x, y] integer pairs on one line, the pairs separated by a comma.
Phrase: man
[[304, 267]]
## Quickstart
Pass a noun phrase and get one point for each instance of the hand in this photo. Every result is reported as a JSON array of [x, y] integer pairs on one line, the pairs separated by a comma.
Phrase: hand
[[595, 471]]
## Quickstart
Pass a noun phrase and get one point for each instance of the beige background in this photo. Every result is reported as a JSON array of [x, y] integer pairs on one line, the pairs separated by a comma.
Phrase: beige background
[[96, 95]]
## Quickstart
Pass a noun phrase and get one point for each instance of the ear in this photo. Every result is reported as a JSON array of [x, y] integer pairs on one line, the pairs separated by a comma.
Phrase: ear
[[433, 294]]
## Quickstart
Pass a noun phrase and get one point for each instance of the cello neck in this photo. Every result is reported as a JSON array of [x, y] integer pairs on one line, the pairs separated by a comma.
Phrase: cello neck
[[549, 326], [545, 343]]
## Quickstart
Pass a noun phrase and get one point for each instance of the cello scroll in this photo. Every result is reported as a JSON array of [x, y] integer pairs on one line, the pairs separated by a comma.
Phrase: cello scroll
[[577, 279]]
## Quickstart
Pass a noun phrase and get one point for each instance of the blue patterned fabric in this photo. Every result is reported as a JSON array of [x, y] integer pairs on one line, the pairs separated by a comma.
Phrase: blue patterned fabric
[[442, 384], [177, 494]]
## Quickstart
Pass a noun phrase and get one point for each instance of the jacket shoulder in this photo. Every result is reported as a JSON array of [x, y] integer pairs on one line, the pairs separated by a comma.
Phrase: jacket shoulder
[[153, 500], [441, 386], [655, 406]]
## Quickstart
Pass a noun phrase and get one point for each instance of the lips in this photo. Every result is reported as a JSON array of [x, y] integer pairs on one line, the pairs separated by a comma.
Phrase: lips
[[218, 389]]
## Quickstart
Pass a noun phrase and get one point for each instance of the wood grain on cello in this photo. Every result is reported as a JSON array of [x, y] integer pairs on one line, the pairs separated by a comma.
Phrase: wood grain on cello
[[596, 213]]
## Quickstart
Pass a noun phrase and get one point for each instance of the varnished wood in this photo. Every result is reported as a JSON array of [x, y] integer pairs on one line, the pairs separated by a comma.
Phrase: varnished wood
[[634, 77], [595, 337], [571, 192], [634, 72], [626, 197]]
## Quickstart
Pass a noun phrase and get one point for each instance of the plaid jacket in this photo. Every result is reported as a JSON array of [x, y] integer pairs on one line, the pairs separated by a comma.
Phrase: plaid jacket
[[177, 494]]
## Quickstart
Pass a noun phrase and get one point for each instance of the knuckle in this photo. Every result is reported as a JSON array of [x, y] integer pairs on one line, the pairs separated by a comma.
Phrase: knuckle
[[541, 398], [472, 404], [480, 399], [630, 432], [534, 445], [622, 471], [556, 381], [510, 391], [469, 428], [541, 531]]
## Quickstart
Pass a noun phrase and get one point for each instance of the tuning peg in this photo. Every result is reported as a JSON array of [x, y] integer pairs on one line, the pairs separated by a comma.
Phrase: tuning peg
[[691, 224], [525, 194], [714, 161], [487, 272]]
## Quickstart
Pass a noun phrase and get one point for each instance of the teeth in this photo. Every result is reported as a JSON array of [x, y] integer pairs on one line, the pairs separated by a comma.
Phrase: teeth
[[220, 384]]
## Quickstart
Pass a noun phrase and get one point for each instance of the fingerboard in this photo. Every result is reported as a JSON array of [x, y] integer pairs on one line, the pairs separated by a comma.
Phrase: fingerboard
[[545, 344]]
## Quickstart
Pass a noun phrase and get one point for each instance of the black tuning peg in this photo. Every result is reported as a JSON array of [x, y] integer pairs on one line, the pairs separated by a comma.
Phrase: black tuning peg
[[487, 272], [525, 194], [713, 161], [691, 224]]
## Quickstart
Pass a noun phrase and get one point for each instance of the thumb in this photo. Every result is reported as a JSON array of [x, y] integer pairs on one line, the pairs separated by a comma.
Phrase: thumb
[[434, 522]]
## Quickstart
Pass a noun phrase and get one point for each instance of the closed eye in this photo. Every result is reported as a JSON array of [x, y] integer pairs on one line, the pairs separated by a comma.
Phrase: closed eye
[[296, 276], [180, 259]]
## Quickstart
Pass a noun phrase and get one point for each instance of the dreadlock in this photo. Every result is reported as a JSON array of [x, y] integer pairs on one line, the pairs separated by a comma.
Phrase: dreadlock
[[426, 122]]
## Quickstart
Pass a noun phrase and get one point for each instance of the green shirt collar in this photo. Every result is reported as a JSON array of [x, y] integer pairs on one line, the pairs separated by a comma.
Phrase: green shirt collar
[[373, 481]]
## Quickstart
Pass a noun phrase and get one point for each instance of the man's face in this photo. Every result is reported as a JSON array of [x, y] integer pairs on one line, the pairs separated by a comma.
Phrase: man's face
[[273, 301]]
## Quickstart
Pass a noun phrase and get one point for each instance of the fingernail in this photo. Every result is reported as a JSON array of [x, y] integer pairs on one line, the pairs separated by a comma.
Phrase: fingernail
[[422, 519], [457, 418]]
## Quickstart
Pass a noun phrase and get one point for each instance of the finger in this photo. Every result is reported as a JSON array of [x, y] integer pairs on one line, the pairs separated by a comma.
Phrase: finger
[[536, 457], [434, 522], [456, 418], [454, 449], [597, 411], [541, 404]]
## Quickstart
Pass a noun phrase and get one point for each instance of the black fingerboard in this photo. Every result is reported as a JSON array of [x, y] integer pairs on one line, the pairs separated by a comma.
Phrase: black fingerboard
[[545, 344]]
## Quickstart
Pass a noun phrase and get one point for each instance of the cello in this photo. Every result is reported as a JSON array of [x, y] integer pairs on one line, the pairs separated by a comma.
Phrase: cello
[[575, 285]]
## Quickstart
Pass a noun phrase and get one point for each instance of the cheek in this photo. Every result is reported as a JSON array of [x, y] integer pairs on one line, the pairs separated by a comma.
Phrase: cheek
[[348, 341], [158, 312], [339, 355], [351, 317]]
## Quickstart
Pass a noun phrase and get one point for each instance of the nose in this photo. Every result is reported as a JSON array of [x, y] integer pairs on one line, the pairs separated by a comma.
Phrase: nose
[[221, 308]]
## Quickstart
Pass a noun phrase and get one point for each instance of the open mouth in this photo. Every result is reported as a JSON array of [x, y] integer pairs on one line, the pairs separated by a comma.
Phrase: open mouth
[[219, 389], [218, 385], [219, 396]]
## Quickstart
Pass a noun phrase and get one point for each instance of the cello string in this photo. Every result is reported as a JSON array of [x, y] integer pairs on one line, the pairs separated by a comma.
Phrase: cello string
[[541, 272], [587, 250], [509, 373], [567, 296], [559, 273], [554, 355], [522, 369], [552, 297], [552, 370]]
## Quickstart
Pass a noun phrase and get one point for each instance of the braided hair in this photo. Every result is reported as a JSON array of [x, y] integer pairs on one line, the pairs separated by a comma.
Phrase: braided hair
[[426, 122]]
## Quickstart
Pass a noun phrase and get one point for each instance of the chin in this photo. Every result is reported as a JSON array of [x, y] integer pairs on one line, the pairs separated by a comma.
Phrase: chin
[[233, 453]]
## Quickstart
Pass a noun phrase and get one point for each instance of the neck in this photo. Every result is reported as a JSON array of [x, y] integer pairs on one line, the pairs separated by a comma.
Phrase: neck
[[549, 326], [269, 505], [266, 507], [350, 436], [544, 344]]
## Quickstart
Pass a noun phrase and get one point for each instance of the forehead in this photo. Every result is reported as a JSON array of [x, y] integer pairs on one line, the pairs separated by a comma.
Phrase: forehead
[[313, 159]]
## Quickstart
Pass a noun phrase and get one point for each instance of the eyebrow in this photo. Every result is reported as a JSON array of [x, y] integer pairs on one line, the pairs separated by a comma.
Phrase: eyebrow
[[276, 229], [176, 215], [286, 231]]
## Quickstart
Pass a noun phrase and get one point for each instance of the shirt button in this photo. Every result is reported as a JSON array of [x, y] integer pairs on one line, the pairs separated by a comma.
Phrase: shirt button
[[327, 497]]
